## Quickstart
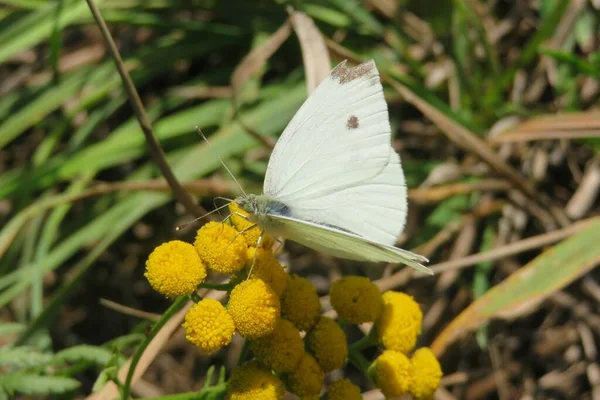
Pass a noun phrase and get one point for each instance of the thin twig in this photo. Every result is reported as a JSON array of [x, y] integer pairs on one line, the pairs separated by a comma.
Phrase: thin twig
[[511, 249], [155, 150], [266, 141], [171, 311], [129, 310], [436, 194]]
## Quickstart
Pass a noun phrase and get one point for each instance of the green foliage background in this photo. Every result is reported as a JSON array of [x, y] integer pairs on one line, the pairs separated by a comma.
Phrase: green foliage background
[[66, 125]]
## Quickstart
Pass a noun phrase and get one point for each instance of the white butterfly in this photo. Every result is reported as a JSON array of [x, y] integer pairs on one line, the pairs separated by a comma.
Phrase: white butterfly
[[334, 183]]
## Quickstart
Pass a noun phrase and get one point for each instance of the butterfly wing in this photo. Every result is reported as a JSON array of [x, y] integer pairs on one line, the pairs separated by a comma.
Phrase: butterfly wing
[[334, 165], [338, 243]]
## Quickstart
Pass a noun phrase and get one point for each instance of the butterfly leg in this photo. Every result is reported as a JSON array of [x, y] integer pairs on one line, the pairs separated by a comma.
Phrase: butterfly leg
[[240, 233], [258, 242], [235, 213], [241, 215], [229, 201], [280, 244]]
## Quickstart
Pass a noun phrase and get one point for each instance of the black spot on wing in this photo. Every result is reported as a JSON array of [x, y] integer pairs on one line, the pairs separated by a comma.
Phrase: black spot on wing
[[352, 122]]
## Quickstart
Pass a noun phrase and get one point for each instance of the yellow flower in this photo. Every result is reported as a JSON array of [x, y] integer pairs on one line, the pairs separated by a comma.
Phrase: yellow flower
[[268, 269], [174, 269], [282, 349], [242, 224], [400, 322], [427, 374], [307, 379], [217, 248], [392, 373], [356, 299], [208, 326], [252, 381], [327, 341], [343, 389], [300, 303], [254, 307]]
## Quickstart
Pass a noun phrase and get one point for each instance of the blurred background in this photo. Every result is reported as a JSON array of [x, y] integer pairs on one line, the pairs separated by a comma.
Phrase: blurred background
[[494, 111]]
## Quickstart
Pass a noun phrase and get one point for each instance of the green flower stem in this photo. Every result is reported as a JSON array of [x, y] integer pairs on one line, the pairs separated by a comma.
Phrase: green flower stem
[[192, 395], [216, 286], [359, 361], [176, 306], [243, 352], [369, 340], [195, 298]]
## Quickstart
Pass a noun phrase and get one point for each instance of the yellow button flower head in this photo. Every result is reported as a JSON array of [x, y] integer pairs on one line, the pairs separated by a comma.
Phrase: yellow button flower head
[[282, 349], [208, 326], [427, 374], [217, 248], [174, 269], [300, 303], [327, 342], [255, 308], [343, 389], [356, 299], [267, 268], [392, 373], [400, 322], [242, 224], [252, 381], [307, 379]]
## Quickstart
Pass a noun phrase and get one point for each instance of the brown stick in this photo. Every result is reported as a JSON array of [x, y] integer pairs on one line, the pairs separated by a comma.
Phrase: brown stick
[[155, 150], [531, 243], [511, 249]]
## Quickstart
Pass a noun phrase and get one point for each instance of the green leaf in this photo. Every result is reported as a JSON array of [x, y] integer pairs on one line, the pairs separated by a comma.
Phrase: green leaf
[[355, 10], [31, 384], [581, 65], [125, 342], [481, 279], [94, 354], [96, 83], [38, 25], [450, 210], [11, 328], [22, 356], [522, 291], [551, 17], [327, 15], [104, 377]]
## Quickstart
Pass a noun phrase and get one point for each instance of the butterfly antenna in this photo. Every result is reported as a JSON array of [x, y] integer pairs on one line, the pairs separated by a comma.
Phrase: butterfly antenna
[[220, 159], [180, 227], [229, 201]]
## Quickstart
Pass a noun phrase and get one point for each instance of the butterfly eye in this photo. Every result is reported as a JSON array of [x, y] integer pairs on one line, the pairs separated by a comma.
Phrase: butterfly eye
[[248, 207]]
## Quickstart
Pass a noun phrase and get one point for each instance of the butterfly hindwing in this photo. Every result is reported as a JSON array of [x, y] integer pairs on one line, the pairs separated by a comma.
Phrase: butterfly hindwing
[[338, 243]]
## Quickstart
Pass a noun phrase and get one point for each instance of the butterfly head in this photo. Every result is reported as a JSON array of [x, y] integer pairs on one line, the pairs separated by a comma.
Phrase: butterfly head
[[249, 203], [260, 206]]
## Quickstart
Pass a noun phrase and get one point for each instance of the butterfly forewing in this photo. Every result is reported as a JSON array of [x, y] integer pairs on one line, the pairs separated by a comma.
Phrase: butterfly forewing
[[336, 175], [334, 163]]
